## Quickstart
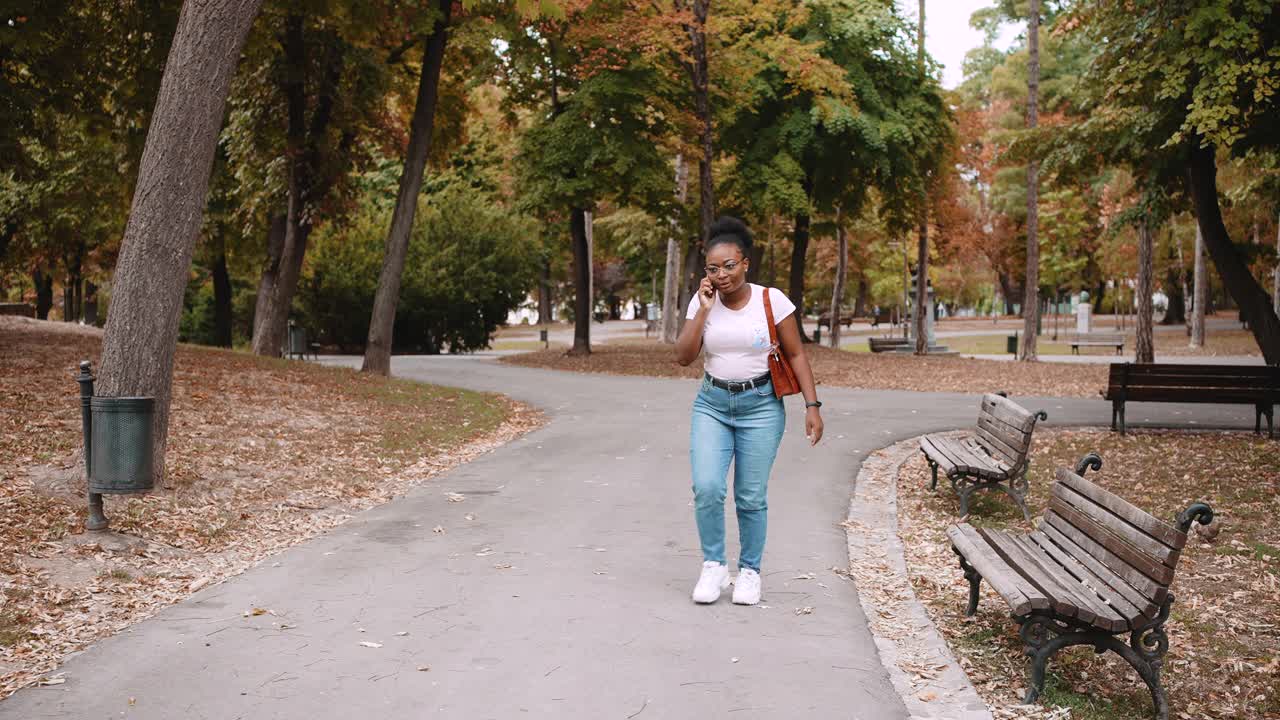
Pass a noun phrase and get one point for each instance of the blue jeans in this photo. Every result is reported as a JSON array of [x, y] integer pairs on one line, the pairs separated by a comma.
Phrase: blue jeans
[[744, 427]]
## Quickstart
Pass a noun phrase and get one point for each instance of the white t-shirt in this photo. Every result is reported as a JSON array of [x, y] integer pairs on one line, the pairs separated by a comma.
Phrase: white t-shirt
[[737, 341]]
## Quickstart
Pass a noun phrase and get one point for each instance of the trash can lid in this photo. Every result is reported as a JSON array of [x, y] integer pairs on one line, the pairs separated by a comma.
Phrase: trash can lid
[[122, 404]]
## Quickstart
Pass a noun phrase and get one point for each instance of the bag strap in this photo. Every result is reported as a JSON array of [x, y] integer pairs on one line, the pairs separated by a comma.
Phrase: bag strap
[[768, 315]]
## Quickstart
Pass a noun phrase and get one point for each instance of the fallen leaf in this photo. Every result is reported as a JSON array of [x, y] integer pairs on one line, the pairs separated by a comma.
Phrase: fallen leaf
[[455, 497], [366, 643], [438, 530], [424, 668], [806, 610]]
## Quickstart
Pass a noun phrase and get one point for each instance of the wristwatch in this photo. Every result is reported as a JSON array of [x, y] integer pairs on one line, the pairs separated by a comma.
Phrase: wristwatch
[[815, 403]]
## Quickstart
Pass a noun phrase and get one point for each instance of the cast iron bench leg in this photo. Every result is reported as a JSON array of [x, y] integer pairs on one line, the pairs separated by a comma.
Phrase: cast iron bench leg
[[975, 581]]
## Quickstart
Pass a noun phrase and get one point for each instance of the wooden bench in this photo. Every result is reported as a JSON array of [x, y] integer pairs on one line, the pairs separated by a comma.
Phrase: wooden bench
[[1096, 568], [1080, 340], [886, 344], [994, 456], [1256, 385]]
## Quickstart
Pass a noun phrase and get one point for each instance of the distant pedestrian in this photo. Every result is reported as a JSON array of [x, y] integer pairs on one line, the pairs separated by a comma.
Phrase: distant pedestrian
[[875, 316], [736, 415]]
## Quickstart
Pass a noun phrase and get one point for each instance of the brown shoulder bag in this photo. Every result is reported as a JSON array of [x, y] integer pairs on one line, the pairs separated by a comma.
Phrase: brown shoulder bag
[[780, 372]]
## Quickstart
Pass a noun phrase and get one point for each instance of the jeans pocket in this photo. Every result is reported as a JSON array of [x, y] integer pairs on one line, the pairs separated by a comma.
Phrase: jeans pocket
[[765, 390]]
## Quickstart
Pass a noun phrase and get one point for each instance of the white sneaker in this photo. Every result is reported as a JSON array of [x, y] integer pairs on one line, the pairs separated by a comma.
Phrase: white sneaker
[[713, 580], [746, 589]]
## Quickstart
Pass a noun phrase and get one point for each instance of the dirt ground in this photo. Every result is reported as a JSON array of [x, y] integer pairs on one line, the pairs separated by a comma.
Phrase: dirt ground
[[262, 454], [1224, 631]]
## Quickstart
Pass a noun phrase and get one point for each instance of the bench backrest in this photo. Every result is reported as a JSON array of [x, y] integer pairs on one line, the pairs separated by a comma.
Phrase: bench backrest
[[1116, 338], [1004, 429], [1097, 526], [1204, 382]]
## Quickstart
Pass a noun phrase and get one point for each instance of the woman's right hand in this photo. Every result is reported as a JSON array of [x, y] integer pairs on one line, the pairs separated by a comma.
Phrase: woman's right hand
[[706, 294]]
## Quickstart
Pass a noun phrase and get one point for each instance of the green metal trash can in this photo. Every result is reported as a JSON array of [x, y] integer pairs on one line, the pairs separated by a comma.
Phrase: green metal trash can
[[1011, 344], [120, 451]]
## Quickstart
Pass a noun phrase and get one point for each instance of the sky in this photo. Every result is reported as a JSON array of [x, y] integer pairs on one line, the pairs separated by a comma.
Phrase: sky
[[948, 35]]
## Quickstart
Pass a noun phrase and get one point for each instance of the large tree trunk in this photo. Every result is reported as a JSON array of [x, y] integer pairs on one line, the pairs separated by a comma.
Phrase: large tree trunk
[[168, 206], [221, 296], [276, 229], [581, 283], [837, 291], [377, 352], [1031, 287], [44, 292], [1201, 285], [1255, 306], [1145, 343], [672, 311], [799, 249]]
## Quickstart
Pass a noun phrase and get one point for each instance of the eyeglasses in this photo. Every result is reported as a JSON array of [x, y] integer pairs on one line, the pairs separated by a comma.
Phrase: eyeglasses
[[713, 270]]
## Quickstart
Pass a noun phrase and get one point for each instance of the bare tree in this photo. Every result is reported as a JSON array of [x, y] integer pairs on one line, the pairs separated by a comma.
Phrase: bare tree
[[168, 206], [1031, 287]]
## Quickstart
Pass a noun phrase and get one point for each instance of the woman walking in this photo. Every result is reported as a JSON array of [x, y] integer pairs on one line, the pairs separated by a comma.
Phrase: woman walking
[[736, 415]]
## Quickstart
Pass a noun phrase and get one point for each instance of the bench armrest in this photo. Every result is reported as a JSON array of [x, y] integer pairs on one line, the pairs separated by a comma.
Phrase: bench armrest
[[1092, 460], [1195, 512]]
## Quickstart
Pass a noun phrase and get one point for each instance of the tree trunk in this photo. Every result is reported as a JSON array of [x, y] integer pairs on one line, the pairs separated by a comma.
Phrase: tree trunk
[[221, 296], [544, 294], [860, 302], [581, 283], [1201, 285], [44, 293], [1187, 299], [921, 319], [269, 331], [799, 249], [309, 178], [1031, 287], [276, 230], [1175, 280], [672, 311], [837, 291], [1275, 274], [922, 227], [691, 277], [698, 71], [90, 303], [377, 352], [1145, 344], [1255, 306], [168, 206]]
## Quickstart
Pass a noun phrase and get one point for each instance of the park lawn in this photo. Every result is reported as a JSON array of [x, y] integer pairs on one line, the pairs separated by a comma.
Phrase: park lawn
[[263, 453], [1224, 631], [868, 371]]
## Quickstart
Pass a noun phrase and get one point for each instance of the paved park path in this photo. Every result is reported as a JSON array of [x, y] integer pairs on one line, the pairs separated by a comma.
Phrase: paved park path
[[591, 620]]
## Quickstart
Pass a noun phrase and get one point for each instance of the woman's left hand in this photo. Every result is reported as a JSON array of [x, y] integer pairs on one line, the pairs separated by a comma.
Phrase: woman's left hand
[[813, 426]]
